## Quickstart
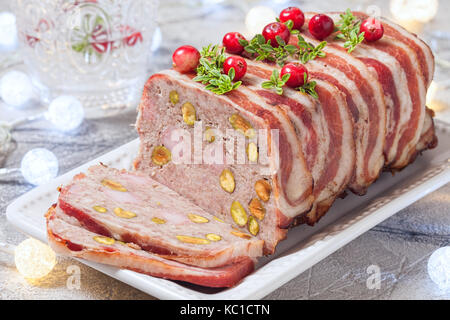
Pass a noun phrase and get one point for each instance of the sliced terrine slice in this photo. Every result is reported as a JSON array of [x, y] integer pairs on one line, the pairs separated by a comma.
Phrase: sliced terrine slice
[[73, 240], [134, 208]]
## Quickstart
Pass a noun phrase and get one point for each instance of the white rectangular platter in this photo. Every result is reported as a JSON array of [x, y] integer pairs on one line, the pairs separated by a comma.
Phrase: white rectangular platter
[[305, 246]]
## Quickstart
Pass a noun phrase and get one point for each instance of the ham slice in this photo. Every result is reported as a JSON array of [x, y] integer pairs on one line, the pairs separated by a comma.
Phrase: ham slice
[[73, 240]]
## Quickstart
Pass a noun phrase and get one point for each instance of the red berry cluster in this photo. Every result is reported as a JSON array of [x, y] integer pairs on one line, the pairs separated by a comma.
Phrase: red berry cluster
[[186, 58], [270, 32]]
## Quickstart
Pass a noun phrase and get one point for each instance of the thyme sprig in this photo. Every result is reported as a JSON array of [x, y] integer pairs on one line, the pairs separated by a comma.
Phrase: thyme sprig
[[307, 51], [309, 87], [304, 51], [290, 24], [349, 27], [209, 71], [263, 50], [277, 83]]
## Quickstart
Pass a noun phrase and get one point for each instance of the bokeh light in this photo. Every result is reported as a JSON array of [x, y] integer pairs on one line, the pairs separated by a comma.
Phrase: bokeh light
[[8, 31], [34, 259], [39, 166], [439, 267], [66, 113], [16, 88], [415, 10], [257, 18]]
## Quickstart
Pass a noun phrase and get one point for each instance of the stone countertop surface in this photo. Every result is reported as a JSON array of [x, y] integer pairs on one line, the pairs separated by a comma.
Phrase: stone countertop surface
[[400, 246]]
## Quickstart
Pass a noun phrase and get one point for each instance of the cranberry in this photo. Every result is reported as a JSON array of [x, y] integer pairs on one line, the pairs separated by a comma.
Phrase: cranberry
[[239, 65], [231, 42], [294, 14], [321, 26], [185, 59], [372, 28], [297, 72], [276, 29]]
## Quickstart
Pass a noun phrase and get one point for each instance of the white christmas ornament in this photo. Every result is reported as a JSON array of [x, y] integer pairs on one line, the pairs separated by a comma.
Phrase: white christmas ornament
[[439, 267], [8, 31], [66, 113], [39, 166], [16, 88]]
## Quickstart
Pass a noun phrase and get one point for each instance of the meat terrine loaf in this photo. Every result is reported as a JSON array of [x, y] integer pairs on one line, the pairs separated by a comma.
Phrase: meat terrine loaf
[[135, 209], [67, 237], [278, 189], [369, 115]]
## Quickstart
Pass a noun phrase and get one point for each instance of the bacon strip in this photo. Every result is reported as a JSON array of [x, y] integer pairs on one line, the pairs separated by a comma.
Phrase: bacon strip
[[395, 46], [327, 141], [365, 99], [423, 52]]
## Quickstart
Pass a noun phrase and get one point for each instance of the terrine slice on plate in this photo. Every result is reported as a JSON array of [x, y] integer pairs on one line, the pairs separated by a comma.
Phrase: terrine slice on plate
[[67, 237], [135, 209]]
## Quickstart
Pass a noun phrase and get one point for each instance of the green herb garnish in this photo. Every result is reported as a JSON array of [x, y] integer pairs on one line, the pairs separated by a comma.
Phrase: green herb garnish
[[307, 50], [277, 83], [209, 71], [290, 24], [349, 28], [265, 51], [309, 88]]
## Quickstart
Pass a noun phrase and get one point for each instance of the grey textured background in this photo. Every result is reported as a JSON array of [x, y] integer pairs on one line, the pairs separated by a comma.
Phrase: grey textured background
[[400, 246]]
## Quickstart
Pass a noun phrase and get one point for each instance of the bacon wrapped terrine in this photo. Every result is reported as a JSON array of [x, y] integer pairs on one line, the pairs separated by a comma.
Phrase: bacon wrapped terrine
[[367, 114], [241, 142]]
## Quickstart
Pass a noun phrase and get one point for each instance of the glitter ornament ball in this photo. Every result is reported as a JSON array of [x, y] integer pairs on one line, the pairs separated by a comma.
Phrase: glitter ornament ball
[[34, 259], [16, 88], [439, 267], [39, 166], [66, 113]]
